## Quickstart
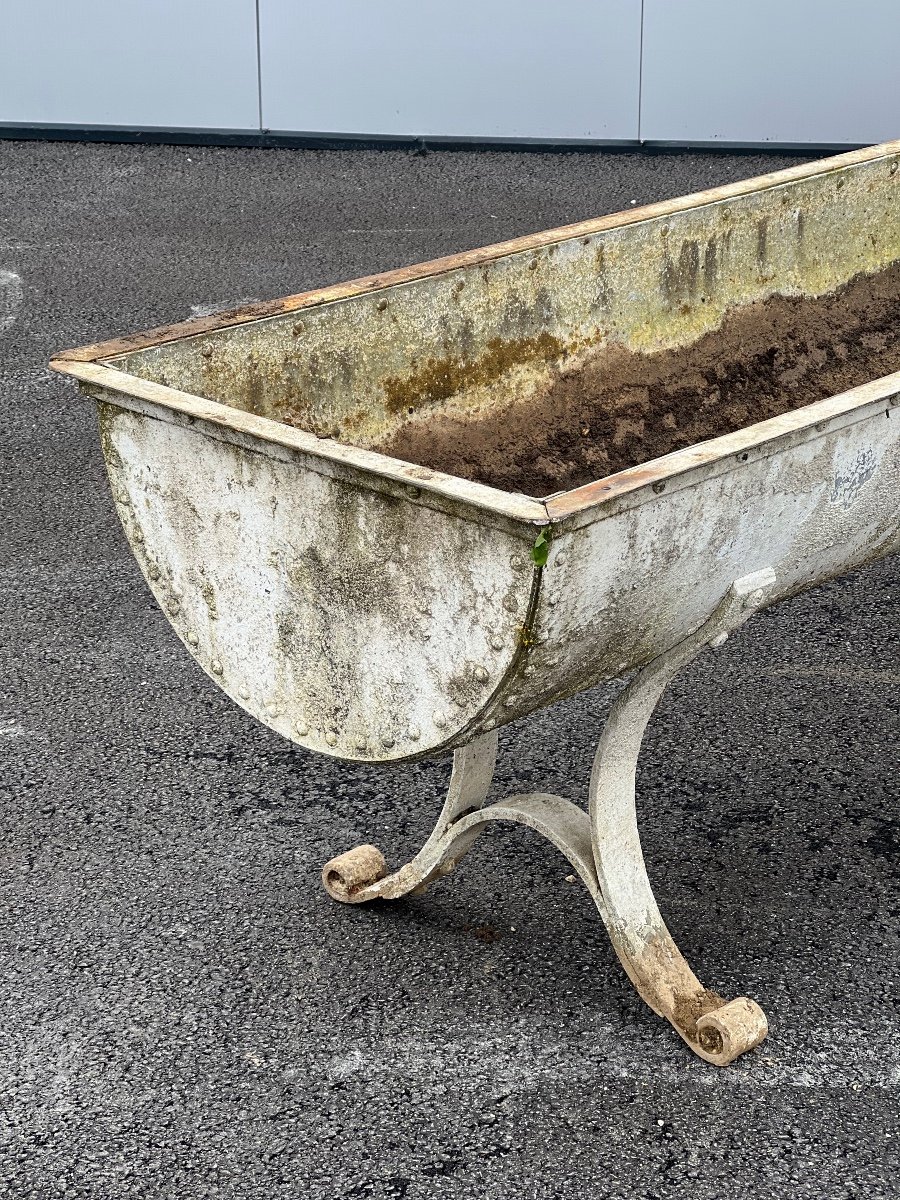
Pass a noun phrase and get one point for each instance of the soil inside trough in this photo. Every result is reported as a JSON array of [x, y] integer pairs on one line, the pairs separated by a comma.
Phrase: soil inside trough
[[620, 408]]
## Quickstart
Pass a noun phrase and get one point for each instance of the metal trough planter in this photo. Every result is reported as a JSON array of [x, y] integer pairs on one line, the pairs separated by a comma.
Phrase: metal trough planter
[[375, 609]]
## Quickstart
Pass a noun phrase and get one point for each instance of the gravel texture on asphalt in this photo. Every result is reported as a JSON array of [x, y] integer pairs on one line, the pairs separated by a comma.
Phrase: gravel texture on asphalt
[[185, 1013]]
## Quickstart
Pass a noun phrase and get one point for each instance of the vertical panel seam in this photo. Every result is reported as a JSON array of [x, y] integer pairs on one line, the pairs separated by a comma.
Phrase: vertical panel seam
[[259, 103], [640, 101]]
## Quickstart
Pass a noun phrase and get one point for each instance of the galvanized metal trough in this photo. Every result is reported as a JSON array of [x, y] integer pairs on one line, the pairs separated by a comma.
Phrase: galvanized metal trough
[[377, 610]]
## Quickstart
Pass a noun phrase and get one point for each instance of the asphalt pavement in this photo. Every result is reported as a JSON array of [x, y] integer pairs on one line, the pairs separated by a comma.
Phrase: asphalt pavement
[[184, 1011]]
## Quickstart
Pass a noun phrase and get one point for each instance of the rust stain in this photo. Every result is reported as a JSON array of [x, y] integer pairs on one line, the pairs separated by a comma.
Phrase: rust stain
[[689, 1007], [669, 986], [680, 277], [440, 378], [762, 243]]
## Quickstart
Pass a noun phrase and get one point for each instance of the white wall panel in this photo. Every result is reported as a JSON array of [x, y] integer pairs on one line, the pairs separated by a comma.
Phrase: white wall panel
[[771, 70], [170, 63], [470, 68]]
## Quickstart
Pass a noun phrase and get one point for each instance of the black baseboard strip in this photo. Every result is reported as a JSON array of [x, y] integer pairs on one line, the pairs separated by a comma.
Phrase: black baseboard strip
[[421, 145]]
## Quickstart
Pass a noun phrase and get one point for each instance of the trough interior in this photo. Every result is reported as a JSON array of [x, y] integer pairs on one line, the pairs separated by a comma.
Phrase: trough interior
[[544, 368], [615, 408], [590, 414]]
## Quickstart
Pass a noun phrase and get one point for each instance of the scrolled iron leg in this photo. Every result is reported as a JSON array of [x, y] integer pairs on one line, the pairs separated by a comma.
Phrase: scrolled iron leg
[[715, 1029], [603, 846], [361, 874]]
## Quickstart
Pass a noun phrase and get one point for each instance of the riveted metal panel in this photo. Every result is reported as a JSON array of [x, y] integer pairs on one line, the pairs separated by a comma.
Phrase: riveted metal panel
[[360, 601], [619, 591], [355, 622]]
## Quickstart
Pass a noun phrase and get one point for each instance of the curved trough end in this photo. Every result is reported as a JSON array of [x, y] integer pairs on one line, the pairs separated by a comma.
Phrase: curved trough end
[[355, 622]]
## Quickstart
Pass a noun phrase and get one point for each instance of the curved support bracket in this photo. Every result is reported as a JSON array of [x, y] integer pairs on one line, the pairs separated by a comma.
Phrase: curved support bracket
[[602, 845], [558, 820], [715, 1029], [361, 874]]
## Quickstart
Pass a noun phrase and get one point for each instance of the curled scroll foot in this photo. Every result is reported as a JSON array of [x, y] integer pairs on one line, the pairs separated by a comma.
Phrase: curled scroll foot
[[346, 877], [727, 1032], [716, 1030], [361, 874]]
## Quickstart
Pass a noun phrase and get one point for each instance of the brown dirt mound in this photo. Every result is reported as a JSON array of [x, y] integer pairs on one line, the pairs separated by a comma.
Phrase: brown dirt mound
[[621, 408]]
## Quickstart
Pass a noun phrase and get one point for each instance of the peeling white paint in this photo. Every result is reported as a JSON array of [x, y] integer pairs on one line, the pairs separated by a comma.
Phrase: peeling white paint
[[850, 481], [304, 611]]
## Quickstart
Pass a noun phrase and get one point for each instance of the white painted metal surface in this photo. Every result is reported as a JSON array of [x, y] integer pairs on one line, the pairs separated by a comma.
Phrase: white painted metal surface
[[820, 71], [144, 63], [474, 68], [360, 624], [620, 590], [361, 598]]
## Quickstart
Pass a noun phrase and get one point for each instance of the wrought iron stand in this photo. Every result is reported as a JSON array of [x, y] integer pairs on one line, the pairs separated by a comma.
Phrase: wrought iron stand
[[602, 845]]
